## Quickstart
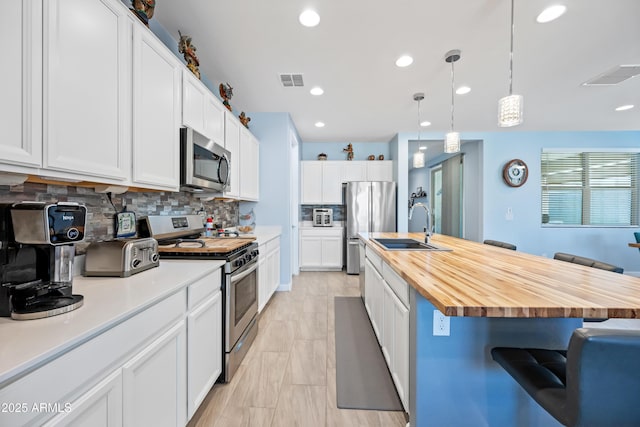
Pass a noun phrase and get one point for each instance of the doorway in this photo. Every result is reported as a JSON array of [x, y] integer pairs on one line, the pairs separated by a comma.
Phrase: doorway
[[447, 197]]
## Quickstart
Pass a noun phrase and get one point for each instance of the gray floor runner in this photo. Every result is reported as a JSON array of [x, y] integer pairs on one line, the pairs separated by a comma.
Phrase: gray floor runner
[[363, 380]]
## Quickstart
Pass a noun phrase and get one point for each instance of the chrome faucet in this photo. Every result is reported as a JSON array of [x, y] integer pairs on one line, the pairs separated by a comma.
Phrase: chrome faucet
[[427, 230]]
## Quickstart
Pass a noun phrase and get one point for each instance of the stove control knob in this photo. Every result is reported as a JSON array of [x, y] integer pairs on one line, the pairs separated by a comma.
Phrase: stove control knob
[[248, 257], [240, 262], [255, 252], [136, 263]]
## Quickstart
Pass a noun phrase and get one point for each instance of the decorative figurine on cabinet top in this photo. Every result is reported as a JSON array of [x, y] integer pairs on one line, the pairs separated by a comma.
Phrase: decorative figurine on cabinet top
[[349, 151], [371, 157], [143, 9], [189, 51], [226, 92], [322, 156], [381, 157], [244, 119]]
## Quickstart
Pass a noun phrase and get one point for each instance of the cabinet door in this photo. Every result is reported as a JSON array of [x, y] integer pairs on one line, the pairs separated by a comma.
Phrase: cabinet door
[[213, 118], [310, 252], [373, 296], [275, 264], [332, 182], [99, 407], [332, 251], [193, 101], [87, 87], [155, 382], [204, 353], [263, 280], [232, 143], [354, 171], [156, 113], [380, 170], [400, 367], [311, 182], [388, 328], [249, 165], [21, 82]]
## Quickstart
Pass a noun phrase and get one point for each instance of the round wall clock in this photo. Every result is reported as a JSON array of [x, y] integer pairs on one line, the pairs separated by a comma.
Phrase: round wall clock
[[515, 173]]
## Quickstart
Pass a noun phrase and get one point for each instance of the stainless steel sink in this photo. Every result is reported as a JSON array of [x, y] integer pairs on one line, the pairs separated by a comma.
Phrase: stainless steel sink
[[401, 244]]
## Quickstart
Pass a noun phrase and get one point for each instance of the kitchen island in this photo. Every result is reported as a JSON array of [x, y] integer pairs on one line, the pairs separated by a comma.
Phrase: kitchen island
[[493, 297]]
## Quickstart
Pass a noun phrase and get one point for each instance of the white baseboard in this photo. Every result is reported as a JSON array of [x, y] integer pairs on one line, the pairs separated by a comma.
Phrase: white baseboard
[[284, 287]]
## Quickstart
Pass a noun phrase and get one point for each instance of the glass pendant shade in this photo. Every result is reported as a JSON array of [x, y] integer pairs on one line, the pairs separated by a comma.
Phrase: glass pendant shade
[[418, 159], [510, 111], [452, 142]]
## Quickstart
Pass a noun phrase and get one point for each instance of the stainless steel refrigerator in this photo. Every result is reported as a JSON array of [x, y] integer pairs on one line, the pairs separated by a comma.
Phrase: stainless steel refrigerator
[[370, 206]]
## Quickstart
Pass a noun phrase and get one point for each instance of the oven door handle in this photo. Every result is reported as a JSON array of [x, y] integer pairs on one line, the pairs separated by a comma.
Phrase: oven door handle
[[235, 278]]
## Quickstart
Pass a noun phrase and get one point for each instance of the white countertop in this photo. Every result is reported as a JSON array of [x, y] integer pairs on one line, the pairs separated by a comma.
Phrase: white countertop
[[27, 344], [264, 233]]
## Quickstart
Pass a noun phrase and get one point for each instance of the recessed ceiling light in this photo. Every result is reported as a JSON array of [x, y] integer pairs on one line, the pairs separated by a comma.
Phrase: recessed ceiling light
[[624, 107], [462, 90], [551, 13], [423, 147], [309, 18], [319, 124], [425, 124], [316, 91], [404, 61]]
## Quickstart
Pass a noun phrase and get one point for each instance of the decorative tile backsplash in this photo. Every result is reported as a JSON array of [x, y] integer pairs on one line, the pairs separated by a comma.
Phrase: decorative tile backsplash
[[306, 212], [100, 212]]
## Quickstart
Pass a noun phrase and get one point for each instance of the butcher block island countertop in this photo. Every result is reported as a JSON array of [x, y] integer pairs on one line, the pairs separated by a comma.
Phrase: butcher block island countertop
[[477, 280]]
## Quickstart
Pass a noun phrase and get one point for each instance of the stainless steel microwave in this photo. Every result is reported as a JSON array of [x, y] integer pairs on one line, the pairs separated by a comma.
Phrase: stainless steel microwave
[[204, 165]]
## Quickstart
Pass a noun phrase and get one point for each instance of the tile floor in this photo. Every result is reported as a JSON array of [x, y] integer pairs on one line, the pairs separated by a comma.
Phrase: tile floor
[[289, 375]]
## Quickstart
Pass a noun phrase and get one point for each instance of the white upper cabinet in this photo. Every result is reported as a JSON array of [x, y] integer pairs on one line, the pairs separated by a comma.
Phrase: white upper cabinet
[[214, 119], [87, 87], [232, 143], [249, 165], [201, 110], [354, 171], [156, 113], [21, 83], [311, 182], [332, 182], [193, 96], [379, 170]]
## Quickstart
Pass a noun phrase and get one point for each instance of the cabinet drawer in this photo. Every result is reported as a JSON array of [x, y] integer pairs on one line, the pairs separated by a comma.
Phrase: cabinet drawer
[[322, 232], [374, 258], [203, 288], [272, 245], [67, 377], [397, 284]]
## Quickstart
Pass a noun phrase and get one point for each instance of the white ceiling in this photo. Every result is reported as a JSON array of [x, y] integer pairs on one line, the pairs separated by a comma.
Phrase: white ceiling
[[352, 54]]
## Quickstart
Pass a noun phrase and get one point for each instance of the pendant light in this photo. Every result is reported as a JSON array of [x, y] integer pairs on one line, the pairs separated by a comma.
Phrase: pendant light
[[510, 107], [452, 139], [418, 156]]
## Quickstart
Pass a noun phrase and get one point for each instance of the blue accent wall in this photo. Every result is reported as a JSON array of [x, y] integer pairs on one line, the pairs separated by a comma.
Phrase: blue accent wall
[[333, 150], [274, 208]]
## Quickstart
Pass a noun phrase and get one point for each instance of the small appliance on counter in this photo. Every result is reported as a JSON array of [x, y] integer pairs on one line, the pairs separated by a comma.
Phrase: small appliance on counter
[[121, 258], [323, 217], [37, 251]]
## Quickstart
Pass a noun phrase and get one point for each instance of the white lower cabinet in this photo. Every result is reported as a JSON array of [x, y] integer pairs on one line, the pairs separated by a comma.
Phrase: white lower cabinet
[[268, 271], [321, 248], [99, 407], [204, 351], [389, 317], [155, 382]]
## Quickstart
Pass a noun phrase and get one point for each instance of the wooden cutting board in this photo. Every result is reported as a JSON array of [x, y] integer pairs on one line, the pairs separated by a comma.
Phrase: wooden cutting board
[[213, 245]]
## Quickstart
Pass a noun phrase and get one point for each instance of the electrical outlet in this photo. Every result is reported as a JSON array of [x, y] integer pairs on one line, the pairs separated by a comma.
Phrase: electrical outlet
[[509, 215], [441, 325]]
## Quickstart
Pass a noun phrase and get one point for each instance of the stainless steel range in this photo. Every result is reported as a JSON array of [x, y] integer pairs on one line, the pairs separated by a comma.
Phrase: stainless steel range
[[179, 238]]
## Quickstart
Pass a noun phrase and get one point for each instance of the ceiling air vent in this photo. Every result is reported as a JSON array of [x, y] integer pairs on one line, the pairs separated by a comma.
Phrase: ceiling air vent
[[291, 80], [614, 76]]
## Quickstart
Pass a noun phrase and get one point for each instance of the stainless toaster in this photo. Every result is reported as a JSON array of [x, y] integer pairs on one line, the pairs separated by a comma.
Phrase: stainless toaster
[[121, 258]]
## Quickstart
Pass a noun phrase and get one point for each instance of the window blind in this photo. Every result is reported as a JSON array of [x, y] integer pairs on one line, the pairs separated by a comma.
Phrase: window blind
[[590, 188]]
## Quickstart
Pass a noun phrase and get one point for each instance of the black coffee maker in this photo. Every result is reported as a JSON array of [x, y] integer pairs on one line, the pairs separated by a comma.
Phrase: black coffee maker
[[36, 258]]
